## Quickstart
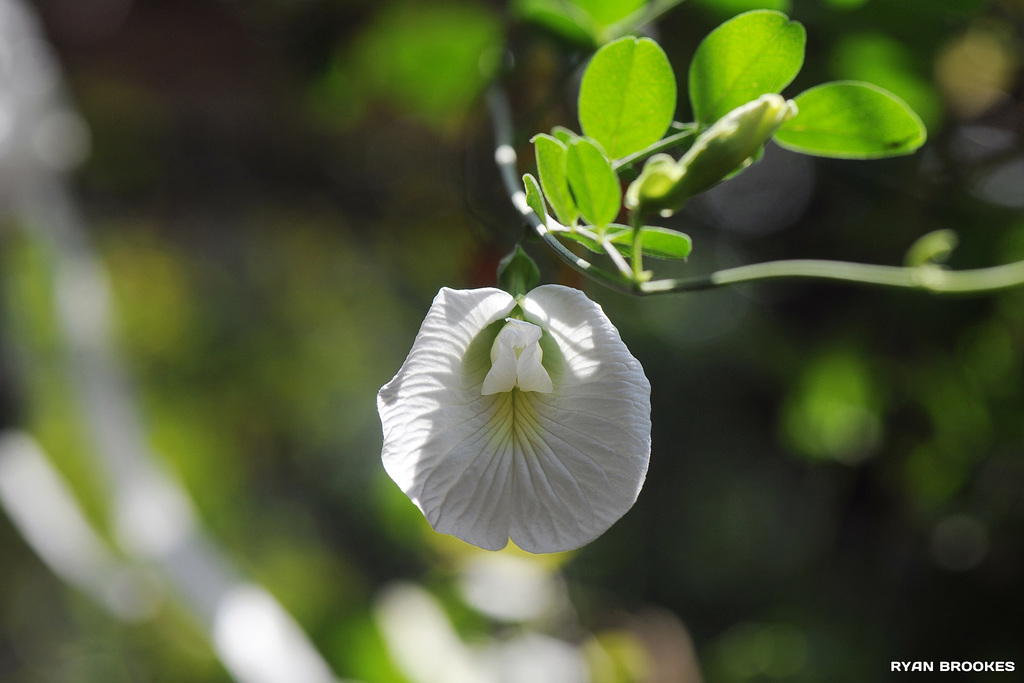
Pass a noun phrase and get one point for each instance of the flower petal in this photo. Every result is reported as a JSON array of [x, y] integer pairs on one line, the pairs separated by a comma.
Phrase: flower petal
[[590, 439], [433, 405], [517, 355]]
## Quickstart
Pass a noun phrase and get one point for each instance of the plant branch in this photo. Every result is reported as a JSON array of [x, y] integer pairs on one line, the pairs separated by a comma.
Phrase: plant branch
[[927, 277], [506, 159], [659, 146]]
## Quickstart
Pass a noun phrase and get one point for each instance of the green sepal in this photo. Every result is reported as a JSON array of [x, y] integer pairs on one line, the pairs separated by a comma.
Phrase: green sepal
[[517, 272]]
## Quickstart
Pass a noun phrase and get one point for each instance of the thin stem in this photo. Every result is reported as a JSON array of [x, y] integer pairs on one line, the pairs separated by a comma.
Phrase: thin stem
[[928, 277], [640, 18], [617, 259], [659, 146], [637, 222]]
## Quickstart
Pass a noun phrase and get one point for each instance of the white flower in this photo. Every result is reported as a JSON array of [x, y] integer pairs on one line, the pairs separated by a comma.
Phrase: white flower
[[522, 418]]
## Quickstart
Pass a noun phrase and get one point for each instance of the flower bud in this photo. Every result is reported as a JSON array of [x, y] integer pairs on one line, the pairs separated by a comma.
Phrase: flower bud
[[655, 183], [730, 144]]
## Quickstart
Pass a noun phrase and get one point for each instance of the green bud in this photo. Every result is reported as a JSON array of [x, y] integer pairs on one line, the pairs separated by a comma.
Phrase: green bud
[[727, 146], [655, 183], [934, 247], [517, 272]]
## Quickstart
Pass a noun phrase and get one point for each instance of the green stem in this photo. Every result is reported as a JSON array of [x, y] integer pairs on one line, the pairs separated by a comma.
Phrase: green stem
[[636, 220], [616, 258], [927, 277], [659, 146]]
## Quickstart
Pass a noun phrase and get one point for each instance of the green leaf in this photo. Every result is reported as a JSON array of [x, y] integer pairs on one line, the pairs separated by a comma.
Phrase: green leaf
[[563, 134], [551, 166], [534, 198], [628, 96], [593, 183], [754, 54], [852, 120], [657, 242], [660, 243]]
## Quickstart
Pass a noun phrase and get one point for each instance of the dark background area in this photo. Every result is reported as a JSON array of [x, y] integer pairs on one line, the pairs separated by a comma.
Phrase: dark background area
[[278, 189]]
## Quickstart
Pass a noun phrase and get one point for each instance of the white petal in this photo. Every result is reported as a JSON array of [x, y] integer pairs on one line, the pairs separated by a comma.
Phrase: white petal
[[590, 439], [530, 373], [434, 401], [504, 369], [516, 355]]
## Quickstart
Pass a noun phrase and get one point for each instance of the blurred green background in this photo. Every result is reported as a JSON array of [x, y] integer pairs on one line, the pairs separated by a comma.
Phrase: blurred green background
[[278, 189]]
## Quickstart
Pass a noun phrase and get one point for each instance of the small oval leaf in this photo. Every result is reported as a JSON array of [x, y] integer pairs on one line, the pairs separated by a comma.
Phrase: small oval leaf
[[593, 182], [534, 198], [756, 53], [563, 134], [628, 96], [658, 242], [852, 120], [551, 160], [666, 244]]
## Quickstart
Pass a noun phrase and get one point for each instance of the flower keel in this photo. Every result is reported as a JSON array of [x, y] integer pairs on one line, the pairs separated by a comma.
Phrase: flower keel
[[516, 360]]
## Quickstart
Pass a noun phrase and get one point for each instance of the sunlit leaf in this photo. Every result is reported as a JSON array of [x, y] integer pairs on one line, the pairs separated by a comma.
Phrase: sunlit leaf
[[628, 96], [754, 54], [852, 120], [551, 165], [660, 243], [534, 197], [889, 63], [657, 242], [593, 182], [563, 134]]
